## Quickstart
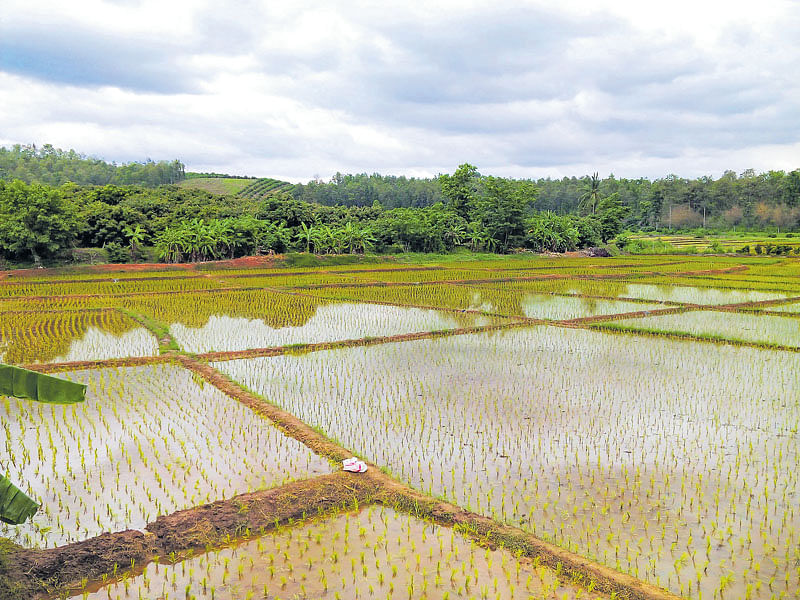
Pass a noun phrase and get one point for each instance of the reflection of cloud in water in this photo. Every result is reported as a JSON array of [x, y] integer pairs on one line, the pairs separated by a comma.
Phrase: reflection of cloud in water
[[97, 345], [769, 329], [566, 307], [697, 295], [477, 303], [329, 323]]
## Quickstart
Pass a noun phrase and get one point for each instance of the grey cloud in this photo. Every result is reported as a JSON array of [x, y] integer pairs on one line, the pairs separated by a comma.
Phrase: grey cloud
[[90, 58], [533, 88]]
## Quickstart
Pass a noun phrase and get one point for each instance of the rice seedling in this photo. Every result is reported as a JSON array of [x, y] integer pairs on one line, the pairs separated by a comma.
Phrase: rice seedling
[[675, 292], [147, 441], [330, 322], [793, 308], [759, 329], [15, 304], [653, 456], [374, 553], [29, 337], [194, 310], [111, 285], [91, 275], [775, 288], [493, 299], [688, 294], [281, 280]]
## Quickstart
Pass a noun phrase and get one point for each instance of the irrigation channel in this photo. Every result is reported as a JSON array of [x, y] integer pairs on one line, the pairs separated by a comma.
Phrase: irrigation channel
[[611, 428]]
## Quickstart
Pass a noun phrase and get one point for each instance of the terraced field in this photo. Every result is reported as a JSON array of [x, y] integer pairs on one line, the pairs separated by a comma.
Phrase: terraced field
[[533, 428], [217, 185]]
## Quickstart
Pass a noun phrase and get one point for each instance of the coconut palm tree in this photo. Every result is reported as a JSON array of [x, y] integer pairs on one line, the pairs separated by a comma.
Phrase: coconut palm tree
[[591, 195]]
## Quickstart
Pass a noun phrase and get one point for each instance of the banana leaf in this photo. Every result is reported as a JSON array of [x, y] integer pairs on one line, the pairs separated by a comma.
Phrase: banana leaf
[[6, 380], [59, 391], [22, 383], [15, 506]]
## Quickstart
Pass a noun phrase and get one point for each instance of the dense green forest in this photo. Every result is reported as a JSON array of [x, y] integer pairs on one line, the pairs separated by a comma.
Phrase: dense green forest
[[52, 201], [54, 166], [747, 200], [482, 213]]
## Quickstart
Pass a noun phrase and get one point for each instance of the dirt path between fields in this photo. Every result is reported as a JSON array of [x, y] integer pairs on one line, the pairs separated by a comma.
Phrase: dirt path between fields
[[28, 573]]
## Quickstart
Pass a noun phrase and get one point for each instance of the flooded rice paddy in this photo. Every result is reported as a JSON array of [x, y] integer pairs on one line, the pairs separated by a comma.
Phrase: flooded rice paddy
[[653, 456], [674, 461], [374, 553], [147, 441], [329, 322]]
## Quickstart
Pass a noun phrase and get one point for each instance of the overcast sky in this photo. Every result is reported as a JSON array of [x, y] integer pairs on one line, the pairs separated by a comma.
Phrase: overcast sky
[[299, 89]]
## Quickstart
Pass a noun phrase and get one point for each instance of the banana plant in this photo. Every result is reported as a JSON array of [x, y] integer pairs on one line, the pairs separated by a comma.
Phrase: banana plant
[[16, 507]]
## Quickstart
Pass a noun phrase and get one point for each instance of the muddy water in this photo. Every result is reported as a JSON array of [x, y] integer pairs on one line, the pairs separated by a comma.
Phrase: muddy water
[[147, 441], [374, 553], [672, 461]]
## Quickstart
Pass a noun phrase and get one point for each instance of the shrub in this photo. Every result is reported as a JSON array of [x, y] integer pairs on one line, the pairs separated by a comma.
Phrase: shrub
[[717, 247], [116, 253], [549, 232]]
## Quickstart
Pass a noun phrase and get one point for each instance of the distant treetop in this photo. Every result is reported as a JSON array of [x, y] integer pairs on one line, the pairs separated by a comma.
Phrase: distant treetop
[[54, 166]]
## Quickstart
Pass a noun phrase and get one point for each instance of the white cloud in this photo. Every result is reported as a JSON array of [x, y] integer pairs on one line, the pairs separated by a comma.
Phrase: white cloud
[[297, 89]]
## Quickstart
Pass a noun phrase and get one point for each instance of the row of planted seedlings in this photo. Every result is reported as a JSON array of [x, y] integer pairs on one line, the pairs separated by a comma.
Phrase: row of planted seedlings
[[90, 274], [203, 322], [89, 334], [367, 552], [148, 441], [219, 321], [668, 291], [655, 457], [109, 285], [240, 320], [735, 312], [770, 285], [539, 302], [774, 330], [408, 557]]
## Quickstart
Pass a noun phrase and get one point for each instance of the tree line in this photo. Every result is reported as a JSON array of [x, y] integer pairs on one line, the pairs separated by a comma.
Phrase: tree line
[[746, 200], [482, 213], [54, 166]]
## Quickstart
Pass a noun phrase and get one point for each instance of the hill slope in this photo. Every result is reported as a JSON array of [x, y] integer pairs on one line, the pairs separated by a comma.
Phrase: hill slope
[[217, 185], [261, 187]]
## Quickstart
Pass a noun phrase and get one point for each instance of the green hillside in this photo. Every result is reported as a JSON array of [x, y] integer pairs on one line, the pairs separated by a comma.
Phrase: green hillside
[[261, 187], [217, 185]]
